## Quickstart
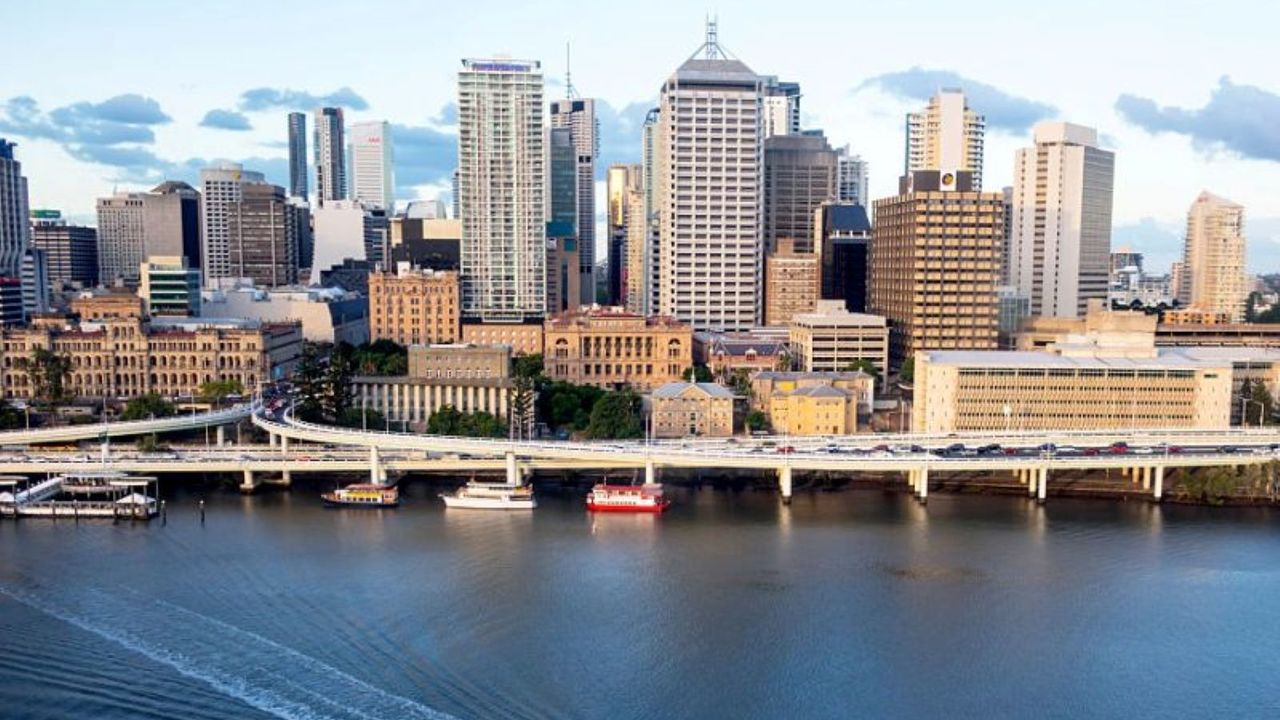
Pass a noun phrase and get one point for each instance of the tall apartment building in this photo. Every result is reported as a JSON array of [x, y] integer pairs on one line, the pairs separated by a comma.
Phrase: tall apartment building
[[14, 212], [579, 116], [709, 192], [414, 307], [851, 177], [1213, 275], [264, 236], [935, 264], [1061, 227], [372, 165], [221, 187], [298, 155], [799, 175], [780, 107], [946, 135], [134, 226], [791, 283], [331, 165], [652, 247], [842, 234], [70, 250], [501, 181]]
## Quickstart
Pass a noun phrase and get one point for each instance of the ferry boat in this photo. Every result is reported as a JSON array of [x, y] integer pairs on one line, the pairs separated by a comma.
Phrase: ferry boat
[[491, 496], [366, 495], [627, 498]]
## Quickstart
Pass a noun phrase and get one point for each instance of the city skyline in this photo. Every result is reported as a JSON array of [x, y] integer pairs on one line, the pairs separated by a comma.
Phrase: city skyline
[[65, 112]]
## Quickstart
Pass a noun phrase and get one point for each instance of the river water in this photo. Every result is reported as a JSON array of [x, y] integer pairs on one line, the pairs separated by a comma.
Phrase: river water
[[846, 604]]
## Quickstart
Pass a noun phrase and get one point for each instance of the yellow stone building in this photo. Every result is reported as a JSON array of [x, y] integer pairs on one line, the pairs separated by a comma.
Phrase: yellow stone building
[[791, 281], [610, 347], [685, 409], [812, 403], [414, 307]]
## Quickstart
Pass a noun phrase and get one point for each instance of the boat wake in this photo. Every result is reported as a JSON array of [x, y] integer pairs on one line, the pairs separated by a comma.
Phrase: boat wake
[[243, 665]]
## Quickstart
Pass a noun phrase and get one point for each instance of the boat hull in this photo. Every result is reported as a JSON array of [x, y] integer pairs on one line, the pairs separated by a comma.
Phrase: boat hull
[[609, 507], [349, 504], [480, 503]]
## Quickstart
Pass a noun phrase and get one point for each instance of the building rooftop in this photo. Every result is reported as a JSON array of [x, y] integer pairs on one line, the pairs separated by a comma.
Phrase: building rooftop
[[674, 389], [717, 71], [818, 391], [1165, 359], [815, 375], [849, 218]]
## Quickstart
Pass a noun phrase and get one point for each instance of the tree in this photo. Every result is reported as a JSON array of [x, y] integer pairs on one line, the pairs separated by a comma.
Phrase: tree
[[757, 421], [528, 366], [309, 378], [337, 381], [698, 373], [522, 406], [616, 415], [448, 420], [562, 404], [10, 417], [48, 372], [148, 406], [217, 391], [361, 418], [907, 373], [866, 366]]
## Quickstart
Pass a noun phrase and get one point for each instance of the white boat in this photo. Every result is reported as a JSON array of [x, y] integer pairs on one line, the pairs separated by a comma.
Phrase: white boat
[[491, 496]]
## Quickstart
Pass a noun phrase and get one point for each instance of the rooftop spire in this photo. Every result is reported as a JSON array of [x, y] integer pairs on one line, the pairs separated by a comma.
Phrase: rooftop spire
[[712, 45], [569, 90]]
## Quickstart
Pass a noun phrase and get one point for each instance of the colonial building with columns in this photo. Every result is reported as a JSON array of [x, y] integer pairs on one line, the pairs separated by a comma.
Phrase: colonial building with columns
[[470, 378]]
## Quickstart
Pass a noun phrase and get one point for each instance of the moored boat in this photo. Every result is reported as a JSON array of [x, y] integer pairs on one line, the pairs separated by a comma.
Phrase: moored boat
[[627, 498], [363, 495], [491, 496]]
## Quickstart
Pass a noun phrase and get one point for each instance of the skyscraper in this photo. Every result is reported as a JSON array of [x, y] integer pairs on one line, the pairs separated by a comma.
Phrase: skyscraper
[[71, 250], [331, 166], [799, 175], [372, 160], [628, 234], [651, 250], [780, 107], [501, 181], [14, 213], [264, 238], [946, 135], [1213, 261], [851, 177], [842, 235], [935, 264], [133, 226], [1061, 230], [708, 199], [298, 155], [221, 186], [579, 115], [562, 171]]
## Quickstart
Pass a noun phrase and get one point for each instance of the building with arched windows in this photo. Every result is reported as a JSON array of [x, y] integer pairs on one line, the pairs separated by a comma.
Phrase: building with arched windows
[[610, 347]]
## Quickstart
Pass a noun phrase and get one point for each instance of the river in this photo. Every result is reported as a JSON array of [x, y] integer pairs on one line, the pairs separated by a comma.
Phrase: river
[[845, 604]]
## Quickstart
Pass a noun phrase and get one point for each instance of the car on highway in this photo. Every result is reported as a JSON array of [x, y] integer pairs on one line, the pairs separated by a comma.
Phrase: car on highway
[[786, 450], [1118, 448], [1228, 449]]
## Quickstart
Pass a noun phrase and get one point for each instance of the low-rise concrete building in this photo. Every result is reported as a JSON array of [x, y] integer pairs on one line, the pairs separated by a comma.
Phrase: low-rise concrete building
[[683, 409], [832, 338], [327, 315]]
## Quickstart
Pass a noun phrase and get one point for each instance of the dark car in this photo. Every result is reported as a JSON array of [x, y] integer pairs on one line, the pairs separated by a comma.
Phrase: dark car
[[1228, 449], [1118, 448]]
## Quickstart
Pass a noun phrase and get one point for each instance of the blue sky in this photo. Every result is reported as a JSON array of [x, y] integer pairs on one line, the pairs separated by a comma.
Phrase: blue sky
[[116, 95]]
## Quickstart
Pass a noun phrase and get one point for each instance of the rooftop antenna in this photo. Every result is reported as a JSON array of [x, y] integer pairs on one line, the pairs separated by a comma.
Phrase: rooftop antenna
[[569, 90], [712, 45]]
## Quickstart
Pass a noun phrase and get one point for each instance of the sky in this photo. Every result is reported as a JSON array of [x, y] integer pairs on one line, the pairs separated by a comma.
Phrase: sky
[[105, 96]]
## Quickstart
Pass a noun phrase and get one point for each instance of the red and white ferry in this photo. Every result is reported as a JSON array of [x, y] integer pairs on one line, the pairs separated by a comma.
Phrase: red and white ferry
[[627, 498]]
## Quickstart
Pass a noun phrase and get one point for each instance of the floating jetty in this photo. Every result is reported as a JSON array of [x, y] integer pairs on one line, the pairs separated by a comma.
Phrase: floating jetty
[[90, 494]]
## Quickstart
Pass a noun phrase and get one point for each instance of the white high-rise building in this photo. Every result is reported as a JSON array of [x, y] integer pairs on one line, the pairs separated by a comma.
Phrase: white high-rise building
[[851, 177], [15, 230], [649, 170], [221, 186], [780, 107], [579, 115], [946, 135], [1213, 261], [501, 183], [331, 166], [709, 151], [372, 165], [1060, 240]]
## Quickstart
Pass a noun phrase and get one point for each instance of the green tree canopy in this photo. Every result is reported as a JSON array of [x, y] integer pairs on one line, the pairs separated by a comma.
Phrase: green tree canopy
[[48, 372], [698, 373], [616, 415], [528, 366], [757, 421], [146, 407], [865, 366], [448, 420], [907, 373], [217, 391]]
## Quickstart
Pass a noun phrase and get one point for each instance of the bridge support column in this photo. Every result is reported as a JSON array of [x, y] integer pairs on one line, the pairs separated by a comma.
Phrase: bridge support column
[[784, 483], [248, 484], [284, 445], [376, 475], [513, 472], [1033, 479], [221, 435], [271, 438], [922, 480], [1146, 478], [1043, 485], [286, 478], [650, 473], [1158, 493]]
